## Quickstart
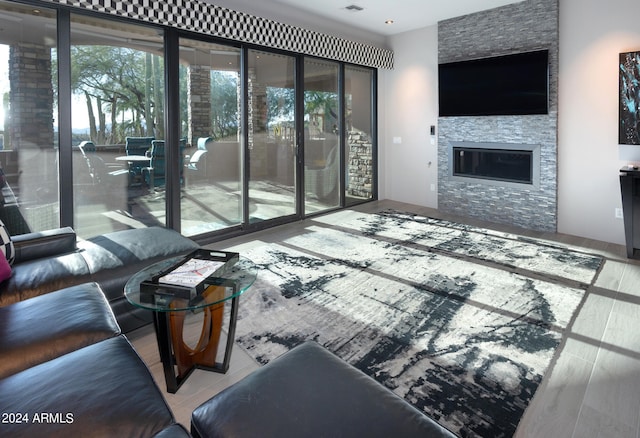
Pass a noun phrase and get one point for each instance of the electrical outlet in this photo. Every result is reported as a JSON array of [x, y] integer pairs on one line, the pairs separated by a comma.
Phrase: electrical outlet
[[433, 187], [618, 213]]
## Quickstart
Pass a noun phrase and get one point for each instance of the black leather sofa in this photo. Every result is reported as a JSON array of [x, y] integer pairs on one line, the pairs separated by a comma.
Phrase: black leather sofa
[[55, 259], [67, 371]]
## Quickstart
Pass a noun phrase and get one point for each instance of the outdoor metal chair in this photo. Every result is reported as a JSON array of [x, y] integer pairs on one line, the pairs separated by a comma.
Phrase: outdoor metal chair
[[155, 175], [138, 146]]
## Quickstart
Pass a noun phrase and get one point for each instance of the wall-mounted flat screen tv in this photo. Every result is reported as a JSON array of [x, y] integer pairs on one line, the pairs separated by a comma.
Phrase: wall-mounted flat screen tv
[[504, 85]]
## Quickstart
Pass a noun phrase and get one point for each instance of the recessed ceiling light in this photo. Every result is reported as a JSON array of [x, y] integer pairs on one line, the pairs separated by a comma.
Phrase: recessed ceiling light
[[388, 22], [354, 8]]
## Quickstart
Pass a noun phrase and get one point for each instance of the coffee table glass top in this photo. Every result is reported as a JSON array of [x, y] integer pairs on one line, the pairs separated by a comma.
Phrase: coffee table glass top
[[237, 279]]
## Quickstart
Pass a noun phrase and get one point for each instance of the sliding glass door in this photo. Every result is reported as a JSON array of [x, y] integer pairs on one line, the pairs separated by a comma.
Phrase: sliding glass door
[[29, 149], [322, 125], [272, 143], [211, 192], [359, 135], [139, 124], [117, 112]]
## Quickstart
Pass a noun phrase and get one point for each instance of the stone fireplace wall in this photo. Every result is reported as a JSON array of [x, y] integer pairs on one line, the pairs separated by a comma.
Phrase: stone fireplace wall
[[521, 27]]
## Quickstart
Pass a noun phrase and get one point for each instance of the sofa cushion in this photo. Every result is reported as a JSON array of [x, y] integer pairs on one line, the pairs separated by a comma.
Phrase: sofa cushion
[[103, 389], [130, 247], [40, 244], [45, 327], [114, 257], [108, 260], [309, 392], [38, 277], [6, 245]]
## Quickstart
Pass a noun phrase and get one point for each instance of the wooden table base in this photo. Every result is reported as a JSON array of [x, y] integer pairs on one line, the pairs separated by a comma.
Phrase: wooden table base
[[179, 360], [205, 351]]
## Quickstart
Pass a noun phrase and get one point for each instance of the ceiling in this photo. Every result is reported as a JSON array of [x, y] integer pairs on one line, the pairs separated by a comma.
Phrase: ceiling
[[406, 14]]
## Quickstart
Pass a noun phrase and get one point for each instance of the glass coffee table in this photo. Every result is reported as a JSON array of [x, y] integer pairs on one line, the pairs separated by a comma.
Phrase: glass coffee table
[[179, 360]]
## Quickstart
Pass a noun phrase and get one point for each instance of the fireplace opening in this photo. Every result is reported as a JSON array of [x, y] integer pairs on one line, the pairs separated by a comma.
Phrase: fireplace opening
[[494, 164]]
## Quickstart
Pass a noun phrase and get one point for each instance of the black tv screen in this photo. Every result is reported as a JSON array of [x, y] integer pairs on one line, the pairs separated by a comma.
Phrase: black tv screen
[[504, 85]]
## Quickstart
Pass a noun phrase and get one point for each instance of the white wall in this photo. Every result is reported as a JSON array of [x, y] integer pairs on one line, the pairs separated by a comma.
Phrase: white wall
[[592, 34], [407, 108]]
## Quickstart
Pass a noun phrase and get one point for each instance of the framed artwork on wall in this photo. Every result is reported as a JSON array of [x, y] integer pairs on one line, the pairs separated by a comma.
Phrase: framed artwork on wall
[[629, 112]]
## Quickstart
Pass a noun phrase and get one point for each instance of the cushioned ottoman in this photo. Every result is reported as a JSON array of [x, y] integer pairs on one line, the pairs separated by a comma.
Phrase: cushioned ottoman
[[309, 392], [103, 390], [45, 327]]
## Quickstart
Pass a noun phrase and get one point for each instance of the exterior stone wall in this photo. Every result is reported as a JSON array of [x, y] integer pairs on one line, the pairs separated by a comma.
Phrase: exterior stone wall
[[360, 165], [520, 27], [31, 97], [199, 103]]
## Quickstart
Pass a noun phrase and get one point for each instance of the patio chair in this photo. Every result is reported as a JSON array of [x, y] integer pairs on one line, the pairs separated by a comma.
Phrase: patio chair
[[137, 146], [99, 171], [87, 146], [198, 160], [196, 168], [323, 181], [155, 175], [90, 167]]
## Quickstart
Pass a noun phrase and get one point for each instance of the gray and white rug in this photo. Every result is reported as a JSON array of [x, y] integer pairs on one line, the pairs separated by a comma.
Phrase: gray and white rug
[[462, 322]]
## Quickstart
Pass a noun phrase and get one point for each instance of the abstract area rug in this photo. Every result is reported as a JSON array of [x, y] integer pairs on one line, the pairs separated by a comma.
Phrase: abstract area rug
[[461, 322]]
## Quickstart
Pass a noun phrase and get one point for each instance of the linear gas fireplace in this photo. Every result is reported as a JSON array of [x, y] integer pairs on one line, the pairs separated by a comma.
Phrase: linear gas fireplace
[[496, 163]]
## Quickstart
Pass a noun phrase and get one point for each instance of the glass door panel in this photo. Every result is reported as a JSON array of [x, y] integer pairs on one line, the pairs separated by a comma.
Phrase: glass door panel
[[321, 135], [358, 101], [210, 121], [271, 136], [117, 78], [28, 128]]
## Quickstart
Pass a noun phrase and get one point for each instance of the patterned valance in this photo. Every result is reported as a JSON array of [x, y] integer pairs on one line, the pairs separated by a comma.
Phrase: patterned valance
[[198, 16]]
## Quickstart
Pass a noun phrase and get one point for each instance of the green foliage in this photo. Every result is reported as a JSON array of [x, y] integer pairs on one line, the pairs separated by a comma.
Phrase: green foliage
[[123, 89], [224, 104], [280, 103], [323, 103]]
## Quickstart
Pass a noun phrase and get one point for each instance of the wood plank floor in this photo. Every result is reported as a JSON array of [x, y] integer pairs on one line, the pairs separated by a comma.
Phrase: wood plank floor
[[591, 390]]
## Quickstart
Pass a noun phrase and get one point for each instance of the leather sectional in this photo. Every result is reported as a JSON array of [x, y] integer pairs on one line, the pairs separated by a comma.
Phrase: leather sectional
[[55, 259], [67, 371]]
